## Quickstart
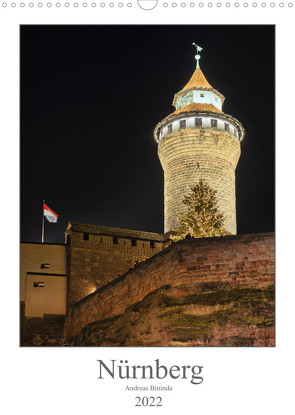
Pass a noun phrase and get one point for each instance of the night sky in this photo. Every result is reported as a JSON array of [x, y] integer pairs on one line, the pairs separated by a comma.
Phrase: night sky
[[90, 99]]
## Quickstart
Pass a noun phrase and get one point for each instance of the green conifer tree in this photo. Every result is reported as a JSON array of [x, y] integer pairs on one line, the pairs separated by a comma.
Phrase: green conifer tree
[[203, 218]]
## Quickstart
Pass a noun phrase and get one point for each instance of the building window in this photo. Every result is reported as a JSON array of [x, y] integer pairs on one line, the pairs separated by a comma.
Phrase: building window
[[115, 240], [216, 99], [38, 284], [86, 236], [169, 128], [214, 123], [133, 242], [202, 95], [182, 124], [198, 165], [152, 244], [226, 126], [45, 266], [236, 133], [198, 122]]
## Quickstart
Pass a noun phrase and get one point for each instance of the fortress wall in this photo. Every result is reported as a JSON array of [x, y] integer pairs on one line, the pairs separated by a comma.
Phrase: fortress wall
[[40, 331], [94, 262], [191, 154], [238, 260]]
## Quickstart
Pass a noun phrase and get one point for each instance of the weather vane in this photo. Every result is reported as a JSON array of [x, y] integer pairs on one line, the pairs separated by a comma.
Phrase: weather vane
[[198, 56]]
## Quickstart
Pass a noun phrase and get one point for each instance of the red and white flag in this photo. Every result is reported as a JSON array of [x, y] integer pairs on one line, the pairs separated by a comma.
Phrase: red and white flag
[[49, 214]]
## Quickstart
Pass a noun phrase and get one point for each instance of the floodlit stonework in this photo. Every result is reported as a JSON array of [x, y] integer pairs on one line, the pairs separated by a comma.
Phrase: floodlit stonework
[[198, 141], [196, 292], [99, 254], [193, 154]]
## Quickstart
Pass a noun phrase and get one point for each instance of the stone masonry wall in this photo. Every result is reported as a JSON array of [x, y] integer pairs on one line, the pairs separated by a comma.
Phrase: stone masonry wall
[[189, 155], [41, 331], [101, 258], [243, 260]]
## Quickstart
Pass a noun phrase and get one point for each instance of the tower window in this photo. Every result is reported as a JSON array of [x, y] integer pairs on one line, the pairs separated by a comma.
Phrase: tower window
[[202, 95], [38, 284], [198, 165], [169, 128], [226, 126], [216, 99], [152, 244], [86, 236], [182, 124], [235, 133], [214, 123], [198, 122], [115, 240], [133, 242]]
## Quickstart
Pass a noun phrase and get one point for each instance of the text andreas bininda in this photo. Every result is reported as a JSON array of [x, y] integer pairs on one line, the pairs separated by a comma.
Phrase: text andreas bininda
[[123, 370]]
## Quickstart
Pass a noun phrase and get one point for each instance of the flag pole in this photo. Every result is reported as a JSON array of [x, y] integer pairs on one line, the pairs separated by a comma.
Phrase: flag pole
[[43, 221]]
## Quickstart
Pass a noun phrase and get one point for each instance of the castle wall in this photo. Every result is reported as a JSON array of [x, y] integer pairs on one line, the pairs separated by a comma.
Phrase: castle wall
[[243, 260], [191, 154], [97, 255], [41, 331], [40, 258], [43, 283]]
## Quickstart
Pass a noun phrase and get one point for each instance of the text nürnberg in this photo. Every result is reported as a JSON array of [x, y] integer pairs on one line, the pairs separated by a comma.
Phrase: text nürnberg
[[123, 370]]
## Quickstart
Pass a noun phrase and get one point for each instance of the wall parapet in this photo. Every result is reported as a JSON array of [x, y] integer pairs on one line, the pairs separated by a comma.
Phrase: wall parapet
[[246, 260]]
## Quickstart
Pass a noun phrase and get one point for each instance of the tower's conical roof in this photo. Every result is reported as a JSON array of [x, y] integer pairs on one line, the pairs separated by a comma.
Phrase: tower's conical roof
[[197, 80]]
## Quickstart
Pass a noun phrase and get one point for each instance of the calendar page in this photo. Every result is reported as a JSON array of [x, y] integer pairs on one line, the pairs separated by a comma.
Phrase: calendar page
[[147, 201]]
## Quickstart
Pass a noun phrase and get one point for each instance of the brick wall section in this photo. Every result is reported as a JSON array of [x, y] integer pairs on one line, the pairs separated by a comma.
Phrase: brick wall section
[[239, 260], [191, 154], [41, 331], [94, 262]]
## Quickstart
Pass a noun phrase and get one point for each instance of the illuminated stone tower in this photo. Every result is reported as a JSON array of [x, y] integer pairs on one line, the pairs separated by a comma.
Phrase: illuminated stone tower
[[199, 141]]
